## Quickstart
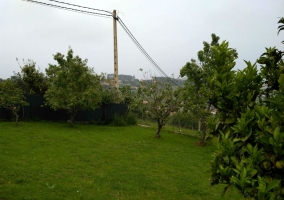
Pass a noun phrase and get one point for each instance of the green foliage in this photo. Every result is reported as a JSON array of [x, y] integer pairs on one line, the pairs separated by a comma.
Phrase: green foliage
[[131, 119], [198, 88], [185, 120], [157, 100], [118, 120], [281, 27], [248, 132], [30, 79], [272, 68], [126, 95], [124, 120], [11, 97], [72, 85], [108, 95]]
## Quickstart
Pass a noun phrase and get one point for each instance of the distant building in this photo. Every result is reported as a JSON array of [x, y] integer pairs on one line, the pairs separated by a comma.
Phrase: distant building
[[110, 76]]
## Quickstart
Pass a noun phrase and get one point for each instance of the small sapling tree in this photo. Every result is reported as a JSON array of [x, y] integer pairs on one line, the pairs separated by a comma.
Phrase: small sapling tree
[[158, 100]]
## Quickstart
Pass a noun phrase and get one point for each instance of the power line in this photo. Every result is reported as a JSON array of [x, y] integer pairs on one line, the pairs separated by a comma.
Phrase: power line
[[143, 50], [139, 46], [71, 9], [81, 6], [109, 15]]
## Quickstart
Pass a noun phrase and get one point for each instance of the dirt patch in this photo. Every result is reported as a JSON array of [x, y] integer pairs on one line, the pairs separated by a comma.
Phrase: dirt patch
[[201, 144]]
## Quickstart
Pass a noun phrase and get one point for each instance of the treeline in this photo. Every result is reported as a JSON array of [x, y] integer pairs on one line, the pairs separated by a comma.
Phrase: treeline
[[69, 85]]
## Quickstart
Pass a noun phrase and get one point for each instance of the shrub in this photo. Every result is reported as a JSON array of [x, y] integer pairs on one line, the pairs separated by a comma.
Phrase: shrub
[[118, 120], [131, 119], [185, 120]]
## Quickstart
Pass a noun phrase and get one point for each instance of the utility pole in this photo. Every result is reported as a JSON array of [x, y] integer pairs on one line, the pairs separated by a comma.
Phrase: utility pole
[[115, 50]]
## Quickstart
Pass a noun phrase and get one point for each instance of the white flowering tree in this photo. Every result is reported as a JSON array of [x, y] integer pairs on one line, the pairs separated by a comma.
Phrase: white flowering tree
[[158, 100]]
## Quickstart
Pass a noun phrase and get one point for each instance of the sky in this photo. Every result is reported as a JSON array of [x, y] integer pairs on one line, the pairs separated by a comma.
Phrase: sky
[[171, 32]]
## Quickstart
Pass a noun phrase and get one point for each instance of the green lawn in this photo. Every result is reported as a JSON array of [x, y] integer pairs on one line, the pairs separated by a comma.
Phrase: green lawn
[[168, 127], [45, 160]]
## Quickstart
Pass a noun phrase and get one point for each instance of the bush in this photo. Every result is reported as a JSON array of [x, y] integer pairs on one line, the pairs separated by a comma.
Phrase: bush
[[185, 120], [118, 120], [124, 120], [131, 119]]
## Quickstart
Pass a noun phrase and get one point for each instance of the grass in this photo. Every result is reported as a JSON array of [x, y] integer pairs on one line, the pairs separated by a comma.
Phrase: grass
[[45, 160], [168, 127]]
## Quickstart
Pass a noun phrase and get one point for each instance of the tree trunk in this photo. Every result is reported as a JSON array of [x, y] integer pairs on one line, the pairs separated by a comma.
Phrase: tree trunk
[[73, 113], [17, 119], [72, 117], [204, 127], [203, 133], [14, 111], [158, 131]]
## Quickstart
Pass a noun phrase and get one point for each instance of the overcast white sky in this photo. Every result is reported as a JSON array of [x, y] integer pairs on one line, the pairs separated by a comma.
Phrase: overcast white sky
[[171, 31]]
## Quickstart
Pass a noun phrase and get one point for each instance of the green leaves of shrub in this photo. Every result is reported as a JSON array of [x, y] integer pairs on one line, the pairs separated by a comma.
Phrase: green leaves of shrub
[[249, 129]]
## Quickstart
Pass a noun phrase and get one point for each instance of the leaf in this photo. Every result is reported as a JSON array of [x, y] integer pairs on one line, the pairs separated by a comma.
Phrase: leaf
[[281, 81], [244, 138], [243, 174], [276, 134], [253, 172], [272, 142], [249, 147], [255, 150], [272, 185]]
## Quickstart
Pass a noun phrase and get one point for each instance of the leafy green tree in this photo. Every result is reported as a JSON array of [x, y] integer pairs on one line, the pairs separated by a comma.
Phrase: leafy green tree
[[249, 129], [72, 85], [11, 97], [197, 89], [158, 100], [126, 95], [30, 79], [35, 80]]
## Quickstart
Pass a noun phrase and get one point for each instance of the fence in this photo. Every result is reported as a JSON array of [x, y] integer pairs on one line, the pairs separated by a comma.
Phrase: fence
[[36, 111]]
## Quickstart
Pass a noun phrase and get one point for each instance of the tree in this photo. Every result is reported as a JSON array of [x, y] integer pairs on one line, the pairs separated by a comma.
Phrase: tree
[[248, 132], [281, 27], [30, 79], [198, 89], [126, 95], [72, 85], [158, 100], [11, 97], [35, 80]]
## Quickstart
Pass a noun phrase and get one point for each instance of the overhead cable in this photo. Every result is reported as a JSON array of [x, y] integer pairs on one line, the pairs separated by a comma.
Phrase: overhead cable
[[71, 9], [81, 6], [139, 46], [109, 15], [143, 50]]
